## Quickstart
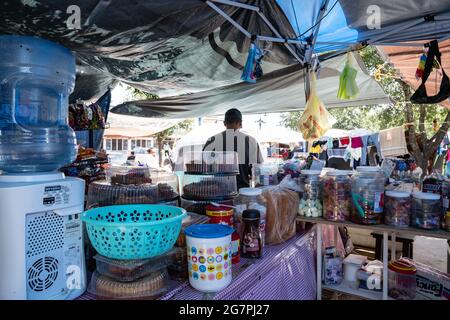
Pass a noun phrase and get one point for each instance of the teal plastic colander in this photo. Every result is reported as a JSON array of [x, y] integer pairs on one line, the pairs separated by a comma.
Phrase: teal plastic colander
[[135, 231]]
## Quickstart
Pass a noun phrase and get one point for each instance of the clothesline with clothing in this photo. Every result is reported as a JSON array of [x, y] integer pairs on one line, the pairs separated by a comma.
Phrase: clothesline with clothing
[[351, 151]]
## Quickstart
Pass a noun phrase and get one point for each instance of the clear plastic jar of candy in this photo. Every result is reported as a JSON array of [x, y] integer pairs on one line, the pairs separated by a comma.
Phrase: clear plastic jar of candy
[[310, 202], [336, 188], [426, 210], [367, 195], [402, 280], [397, 209]]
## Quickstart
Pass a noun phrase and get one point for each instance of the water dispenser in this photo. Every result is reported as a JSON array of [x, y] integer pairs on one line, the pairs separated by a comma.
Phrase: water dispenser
[[41, 239], [36, 78]]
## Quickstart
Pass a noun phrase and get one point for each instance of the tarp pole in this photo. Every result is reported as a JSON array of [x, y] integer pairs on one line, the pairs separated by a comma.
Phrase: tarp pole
[[234, 23], [275, 31], [273, 39], [316, 29], [309, 51], [237, 4]]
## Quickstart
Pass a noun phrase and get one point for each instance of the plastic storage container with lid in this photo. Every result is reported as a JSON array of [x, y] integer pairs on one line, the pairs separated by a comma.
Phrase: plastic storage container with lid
[[397, 208], [265, 174], [211, 162], [199, 206], [209, 187], [36, 79], [148, 288], [352, 263], [250, 198], [209, 256], [132, 270], [128, 175], [310, 201], [163, 189], [426, 210], [367, 195], [336, 191], [402, 280]]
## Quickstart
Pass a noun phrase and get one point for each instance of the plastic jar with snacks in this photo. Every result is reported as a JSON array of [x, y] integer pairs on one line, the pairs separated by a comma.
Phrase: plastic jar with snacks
[[426, 210], [367, 195], [397, 209], [402, 280], [336, 187], [445, 192], [310, 202], [250, 198]]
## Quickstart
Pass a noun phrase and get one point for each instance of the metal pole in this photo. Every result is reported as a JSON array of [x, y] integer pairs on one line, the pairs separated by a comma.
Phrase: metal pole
[[274, 39], [234, 23], [394, 245], [318, 21], [275, 31], [319, 261], [237, 4], [385, 265]]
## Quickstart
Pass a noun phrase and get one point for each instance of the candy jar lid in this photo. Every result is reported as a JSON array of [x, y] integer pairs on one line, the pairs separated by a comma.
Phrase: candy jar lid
[[426, 196], [398, 194]]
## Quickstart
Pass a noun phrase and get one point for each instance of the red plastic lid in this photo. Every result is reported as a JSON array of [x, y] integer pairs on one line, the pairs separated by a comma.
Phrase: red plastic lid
[[402, 267]]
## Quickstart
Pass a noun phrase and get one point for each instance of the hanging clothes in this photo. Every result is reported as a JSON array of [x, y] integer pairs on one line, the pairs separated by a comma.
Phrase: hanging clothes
[[368, 141], [330, 143], [335, 143], [393, 142], [357, 142], [344, 141], [315, 149]]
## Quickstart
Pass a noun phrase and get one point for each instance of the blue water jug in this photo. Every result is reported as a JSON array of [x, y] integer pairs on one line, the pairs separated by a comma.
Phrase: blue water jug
[[36, 79]]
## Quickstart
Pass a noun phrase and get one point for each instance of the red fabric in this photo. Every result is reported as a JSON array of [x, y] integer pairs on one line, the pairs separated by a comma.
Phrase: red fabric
[[357, 142], [448, 155], [344, 141]]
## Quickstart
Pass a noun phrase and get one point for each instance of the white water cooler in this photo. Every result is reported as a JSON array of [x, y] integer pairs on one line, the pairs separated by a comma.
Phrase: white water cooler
[[41, 238]]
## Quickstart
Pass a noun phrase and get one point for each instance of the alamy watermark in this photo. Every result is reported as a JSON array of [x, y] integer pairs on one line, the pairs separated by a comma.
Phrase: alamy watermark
[[374, 17]]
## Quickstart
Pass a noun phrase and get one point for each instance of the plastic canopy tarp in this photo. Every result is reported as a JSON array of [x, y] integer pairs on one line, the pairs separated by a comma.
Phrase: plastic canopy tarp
[[406, 59], [281, 90], [176, 47]]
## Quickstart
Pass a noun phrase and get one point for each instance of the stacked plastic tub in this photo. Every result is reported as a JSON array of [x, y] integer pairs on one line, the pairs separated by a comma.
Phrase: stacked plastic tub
[[209, 177], [134, 185], [122, 277]]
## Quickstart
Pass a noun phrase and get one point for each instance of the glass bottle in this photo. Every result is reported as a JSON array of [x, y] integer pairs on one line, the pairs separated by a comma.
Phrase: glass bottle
[[251, 244]]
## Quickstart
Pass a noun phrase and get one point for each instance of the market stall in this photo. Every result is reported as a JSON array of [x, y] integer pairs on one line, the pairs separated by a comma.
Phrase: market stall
[[143, 228]]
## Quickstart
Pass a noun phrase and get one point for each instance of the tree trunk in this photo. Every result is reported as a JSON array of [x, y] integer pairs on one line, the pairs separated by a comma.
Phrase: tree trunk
[[425, 149]]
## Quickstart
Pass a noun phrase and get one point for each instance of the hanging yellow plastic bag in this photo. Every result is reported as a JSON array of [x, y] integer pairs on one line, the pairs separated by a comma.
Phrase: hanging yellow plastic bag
[[315, 120], [348, 89]]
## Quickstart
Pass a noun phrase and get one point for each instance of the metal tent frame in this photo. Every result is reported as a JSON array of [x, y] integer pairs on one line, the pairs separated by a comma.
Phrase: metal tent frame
[[308, 46]]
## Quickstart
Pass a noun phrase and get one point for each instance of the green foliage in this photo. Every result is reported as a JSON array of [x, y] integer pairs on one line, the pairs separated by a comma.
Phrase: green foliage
[[142, 95], [376, 117]]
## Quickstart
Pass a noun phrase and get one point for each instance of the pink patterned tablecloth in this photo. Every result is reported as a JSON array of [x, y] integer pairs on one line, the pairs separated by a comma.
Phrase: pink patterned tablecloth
[[286, 272]]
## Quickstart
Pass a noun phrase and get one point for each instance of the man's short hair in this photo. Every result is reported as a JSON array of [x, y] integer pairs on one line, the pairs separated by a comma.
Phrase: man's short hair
[[233, 116]]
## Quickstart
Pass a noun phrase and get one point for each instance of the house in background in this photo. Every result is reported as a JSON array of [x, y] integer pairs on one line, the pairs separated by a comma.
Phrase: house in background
[[127, 139]]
